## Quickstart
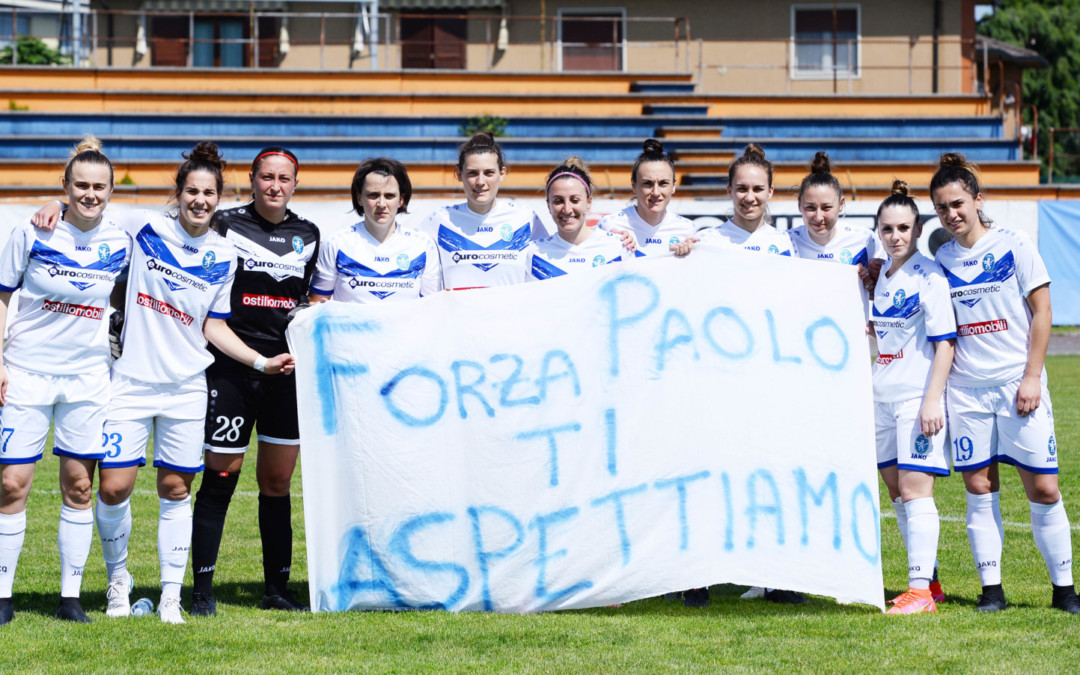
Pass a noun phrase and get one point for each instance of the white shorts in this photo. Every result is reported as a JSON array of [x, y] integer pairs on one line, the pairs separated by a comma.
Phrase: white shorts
[[986, 428], [76, 404], [901, 442], [174, 412]]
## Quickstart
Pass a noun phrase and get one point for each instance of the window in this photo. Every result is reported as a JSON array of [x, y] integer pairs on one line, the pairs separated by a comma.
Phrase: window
[[8, 31], [219, 42], [591, 39], [825, 38]]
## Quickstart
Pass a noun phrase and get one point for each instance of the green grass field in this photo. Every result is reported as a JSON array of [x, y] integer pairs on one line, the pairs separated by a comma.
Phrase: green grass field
[[647, 635]]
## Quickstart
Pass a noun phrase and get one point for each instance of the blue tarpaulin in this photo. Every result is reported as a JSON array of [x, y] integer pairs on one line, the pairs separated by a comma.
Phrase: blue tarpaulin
[[1059, 245]]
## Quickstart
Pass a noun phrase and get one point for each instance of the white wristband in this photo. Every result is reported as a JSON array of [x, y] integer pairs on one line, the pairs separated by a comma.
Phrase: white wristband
[[260, 364]]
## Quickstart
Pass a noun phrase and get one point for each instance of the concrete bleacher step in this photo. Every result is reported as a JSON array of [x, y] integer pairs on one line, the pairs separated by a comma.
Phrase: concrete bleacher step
[[663, 87], [688, 108], [690, 131]]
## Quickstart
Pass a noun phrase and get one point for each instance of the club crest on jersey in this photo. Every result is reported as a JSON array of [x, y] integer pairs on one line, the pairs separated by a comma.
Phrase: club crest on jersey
[[208, 260], [674, 240], [298, 244], [922, 445], [773, 248], [403, 261], [1053, 446], [988, 262], [103, 252], [506, 231], [898, 299], [598, 261], [845, 257]]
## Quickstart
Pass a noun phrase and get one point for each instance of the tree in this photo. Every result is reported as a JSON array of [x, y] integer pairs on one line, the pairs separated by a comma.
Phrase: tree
[[1051, 28], [33, 52]]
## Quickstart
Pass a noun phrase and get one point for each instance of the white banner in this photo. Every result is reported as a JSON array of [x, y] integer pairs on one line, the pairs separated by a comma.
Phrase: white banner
[[594, 439]]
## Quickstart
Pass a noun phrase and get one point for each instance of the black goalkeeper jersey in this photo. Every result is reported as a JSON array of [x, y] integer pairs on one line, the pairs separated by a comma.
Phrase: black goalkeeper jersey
[[273, 273]]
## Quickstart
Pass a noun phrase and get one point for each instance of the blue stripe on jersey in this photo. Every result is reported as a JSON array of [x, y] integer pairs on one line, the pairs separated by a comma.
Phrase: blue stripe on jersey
[[50, 256], [787, 253], [352, 268], [617, 258], [542, 269], [638, 253], [154, 246], [905, 311], [1002, 270], [12, 289], [860, 258], [452, 241]]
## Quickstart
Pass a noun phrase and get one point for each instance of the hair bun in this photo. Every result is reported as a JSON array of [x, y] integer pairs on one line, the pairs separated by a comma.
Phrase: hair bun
[[900, 187], [575, 163], [652, 147], [206, 152], [89, 143], [951, 160], [755, 150], [820, 164]]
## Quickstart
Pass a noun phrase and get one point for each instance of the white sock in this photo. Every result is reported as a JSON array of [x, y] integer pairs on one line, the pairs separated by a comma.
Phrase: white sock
[[983, 518], [114, 530], [901, 518], [923, 528], [174, 541], [1050, 525], [12, 533], [996, 501], [73, 538]]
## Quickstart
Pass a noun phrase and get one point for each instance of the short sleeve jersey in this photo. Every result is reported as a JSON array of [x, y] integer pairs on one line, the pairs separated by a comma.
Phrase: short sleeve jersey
[[66, 277], [765, 239], [849, 245], [989, 283], [651, 240], [273, 272], [910, 310], [482, 250], [355, 267], [175, 283], [554, 256]]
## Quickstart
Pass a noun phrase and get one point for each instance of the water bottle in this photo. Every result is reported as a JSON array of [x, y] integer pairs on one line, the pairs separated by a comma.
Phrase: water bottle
[[142, 606]]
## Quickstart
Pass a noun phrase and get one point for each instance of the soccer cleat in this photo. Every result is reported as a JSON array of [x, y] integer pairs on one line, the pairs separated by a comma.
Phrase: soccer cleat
[[914, 601], [71, 610], [754, 592], [1065, 599], [992, 599], [170, 610], [783, 597], [203, 604], [936, 592], [284, 601], [7, 612], [696, 597], [118, 596]]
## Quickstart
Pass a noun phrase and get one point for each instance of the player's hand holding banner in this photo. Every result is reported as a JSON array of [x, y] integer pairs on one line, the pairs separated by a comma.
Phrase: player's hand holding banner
[[592, 439]]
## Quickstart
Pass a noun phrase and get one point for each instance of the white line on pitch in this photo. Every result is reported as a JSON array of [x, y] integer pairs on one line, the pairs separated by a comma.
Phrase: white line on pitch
[[954, 519]]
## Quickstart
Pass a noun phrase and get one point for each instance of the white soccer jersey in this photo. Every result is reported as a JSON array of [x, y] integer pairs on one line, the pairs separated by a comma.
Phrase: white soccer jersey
[[989, 283], [175, 282], [482, 250], [651, 240], [765, 239], [849, 245], [66, 277], [355, 267], [911, 310], [554, 256]]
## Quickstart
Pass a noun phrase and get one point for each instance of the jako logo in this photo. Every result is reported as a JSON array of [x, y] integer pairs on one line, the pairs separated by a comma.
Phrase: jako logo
[[485, 228]]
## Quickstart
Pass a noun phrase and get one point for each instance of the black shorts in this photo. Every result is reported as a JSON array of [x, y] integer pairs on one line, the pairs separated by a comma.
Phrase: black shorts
[[240, 399]]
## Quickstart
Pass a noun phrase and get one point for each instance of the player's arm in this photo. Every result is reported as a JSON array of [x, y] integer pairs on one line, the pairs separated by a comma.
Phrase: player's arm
[[48, 216], [1029, 395], [931, 415], [5, 298], [221, 336]]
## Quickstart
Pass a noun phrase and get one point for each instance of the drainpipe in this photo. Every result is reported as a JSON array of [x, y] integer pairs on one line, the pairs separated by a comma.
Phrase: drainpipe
[[937, 36]]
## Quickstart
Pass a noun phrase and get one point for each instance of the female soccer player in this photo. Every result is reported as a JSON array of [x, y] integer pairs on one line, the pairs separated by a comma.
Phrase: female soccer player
[[912, 315], [177, 298], [750, 185], [656, 230], [55, 366], [277, 250], [482, 242], [998, 405], [575, 246], [821, 201], [376, 260]]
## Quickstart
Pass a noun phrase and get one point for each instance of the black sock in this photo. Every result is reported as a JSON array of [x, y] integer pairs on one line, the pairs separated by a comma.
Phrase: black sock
[[208, 522], [275, 528]]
